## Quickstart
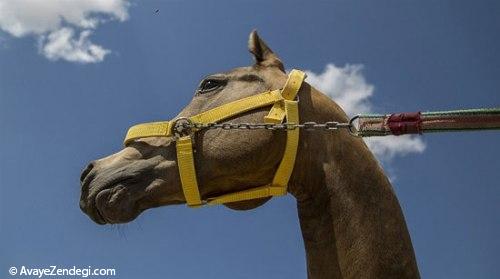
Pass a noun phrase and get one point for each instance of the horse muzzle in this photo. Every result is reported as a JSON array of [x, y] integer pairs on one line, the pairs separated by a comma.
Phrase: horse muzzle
[[113, 194]]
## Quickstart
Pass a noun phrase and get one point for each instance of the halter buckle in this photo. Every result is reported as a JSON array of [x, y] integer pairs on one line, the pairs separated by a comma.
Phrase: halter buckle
[[181, 127]]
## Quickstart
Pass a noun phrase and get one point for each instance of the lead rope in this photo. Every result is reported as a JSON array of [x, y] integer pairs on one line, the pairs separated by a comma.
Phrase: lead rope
[[370, 125]]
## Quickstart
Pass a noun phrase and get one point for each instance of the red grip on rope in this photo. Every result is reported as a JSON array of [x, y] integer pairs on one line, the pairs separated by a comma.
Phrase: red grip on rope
[[405, 123]]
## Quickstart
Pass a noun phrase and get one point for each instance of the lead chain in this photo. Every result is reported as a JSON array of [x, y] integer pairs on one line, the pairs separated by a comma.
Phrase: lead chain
[[328, 126]]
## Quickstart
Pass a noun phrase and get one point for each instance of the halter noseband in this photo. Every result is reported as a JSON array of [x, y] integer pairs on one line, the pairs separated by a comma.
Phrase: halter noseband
[[284, 106]]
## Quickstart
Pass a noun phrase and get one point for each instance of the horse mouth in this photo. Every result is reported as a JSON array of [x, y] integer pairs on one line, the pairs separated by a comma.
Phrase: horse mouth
[[110, 203], [105, 198], [99, 217]]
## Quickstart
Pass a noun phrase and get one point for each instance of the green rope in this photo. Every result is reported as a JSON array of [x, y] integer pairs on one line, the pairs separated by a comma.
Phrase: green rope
[[450, 121], [481, 111]]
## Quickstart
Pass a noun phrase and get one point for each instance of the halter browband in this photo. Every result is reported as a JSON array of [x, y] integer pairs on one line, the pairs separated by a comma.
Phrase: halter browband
[[284, 105]]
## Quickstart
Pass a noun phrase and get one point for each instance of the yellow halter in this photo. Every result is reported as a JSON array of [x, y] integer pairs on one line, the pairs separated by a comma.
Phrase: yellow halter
[[283, 106]]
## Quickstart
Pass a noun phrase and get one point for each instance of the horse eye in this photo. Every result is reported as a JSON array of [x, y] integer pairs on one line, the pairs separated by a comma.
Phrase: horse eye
[[210, 85]]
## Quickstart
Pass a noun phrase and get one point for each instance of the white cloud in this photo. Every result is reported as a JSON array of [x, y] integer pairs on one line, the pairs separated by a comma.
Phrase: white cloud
[[348, 87], [62, 27], [390, 146], [61, 44]]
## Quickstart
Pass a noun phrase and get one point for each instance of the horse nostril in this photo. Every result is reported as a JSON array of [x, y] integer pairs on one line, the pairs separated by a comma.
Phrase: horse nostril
[[86, 171]]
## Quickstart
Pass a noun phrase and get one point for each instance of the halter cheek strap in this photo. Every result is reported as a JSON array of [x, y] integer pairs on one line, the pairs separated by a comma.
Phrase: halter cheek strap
[[283, 107], [278, 186]]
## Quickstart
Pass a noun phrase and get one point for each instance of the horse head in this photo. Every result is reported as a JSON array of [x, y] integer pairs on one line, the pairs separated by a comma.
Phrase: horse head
[[117, 188]]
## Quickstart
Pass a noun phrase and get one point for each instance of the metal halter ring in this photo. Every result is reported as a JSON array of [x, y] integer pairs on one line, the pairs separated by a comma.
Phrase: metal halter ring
[[181, 127], [352, 129]]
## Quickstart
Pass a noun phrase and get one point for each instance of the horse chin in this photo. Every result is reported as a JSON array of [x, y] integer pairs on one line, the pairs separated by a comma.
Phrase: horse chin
[[115, 205], [247, 205]]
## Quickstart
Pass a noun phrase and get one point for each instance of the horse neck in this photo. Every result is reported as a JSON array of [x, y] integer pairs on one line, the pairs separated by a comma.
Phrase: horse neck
[[351, 221]]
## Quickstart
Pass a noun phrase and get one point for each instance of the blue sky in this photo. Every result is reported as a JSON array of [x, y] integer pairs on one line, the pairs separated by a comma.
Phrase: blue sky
[[57, 113]]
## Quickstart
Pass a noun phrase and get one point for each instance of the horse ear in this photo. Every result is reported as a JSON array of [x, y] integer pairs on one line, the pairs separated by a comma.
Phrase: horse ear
[[262, 54]]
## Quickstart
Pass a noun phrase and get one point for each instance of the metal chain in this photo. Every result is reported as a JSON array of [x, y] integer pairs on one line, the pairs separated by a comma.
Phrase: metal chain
[[184, 126], [327, 126]]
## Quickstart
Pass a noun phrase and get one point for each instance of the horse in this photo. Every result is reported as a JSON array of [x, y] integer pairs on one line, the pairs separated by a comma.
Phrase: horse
[[351, 221]]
